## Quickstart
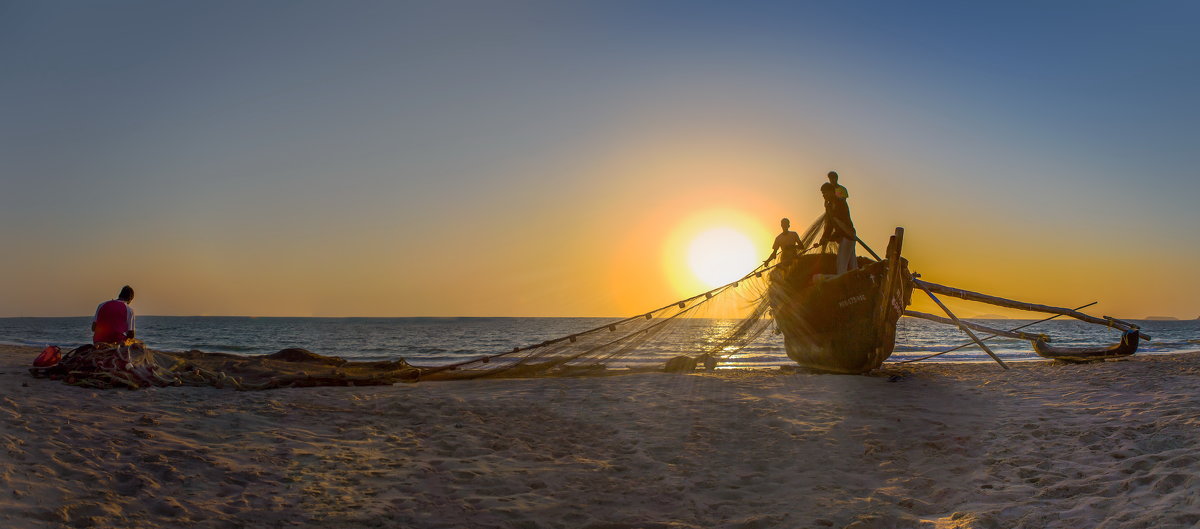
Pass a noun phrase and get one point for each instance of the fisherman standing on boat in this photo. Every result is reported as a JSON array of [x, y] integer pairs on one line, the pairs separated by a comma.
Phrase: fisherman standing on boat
[[787, 242], [838, 226]]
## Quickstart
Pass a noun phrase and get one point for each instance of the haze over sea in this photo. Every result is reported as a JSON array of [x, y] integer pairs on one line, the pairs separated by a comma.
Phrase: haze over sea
[[433, 341]]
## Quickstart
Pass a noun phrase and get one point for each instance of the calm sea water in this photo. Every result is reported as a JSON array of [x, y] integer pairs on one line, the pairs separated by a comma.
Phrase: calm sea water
[[432, 341]]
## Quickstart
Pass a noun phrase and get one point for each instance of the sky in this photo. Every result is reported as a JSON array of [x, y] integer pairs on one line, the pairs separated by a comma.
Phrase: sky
[[483, 158]]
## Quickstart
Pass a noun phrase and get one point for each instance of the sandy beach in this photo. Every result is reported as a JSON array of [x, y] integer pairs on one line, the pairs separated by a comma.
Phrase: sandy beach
[[943, 445]]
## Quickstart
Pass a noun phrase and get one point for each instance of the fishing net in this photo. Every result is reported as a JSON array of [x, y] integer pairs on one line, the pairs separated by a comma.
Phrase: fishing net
[[699, 332]]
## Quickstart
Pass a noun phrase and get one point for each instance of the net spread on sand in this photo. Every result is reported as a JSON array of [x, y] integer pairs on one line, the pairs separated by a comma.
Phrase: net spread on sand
[[130, 365]]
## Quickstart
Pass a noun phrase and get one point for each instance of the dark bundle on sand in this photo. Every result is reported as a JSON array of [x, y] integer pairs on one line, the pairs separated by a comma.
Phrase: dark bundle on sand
[[131, 365]]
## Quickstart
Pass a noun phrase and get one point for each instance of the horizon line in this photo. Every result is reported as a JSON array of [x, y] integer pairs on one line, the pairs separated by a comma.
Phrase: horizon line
[[985, 317]]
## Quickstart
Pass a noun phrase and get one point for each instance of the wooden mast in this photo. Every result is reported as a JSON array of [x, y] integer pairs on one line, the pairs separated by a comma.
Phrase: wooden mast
[[887, 295]]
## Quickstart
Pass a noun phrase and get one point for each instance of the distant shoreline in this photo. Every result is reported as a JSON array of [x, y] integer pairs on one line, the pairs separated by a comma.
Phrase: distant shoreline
[[452, 318]]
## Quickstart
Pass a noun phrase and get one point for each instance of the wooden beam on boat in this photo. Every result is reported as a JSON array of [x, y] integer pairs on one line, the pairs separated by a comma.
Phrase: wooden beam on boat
[[895, 243], [922, 285], [1020, 305], [978, 327]]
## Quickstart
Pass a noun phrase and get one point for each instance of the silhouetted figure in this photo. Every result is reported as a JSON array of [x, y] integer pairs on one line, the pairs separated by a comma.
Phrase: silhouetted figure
[[787, 245], [114, 320], [838, 226]]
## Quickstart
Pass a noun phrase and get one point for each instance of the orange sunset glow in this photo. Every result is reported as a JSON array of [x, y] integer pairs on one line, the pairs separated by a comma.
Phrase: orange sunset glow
[[432, 264], [646, 184]]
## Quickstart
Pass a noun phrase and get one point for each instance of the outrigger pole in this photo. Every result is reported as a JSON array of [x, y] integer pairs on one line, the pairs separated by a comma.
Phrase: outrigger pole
[[981, 328], [968, 344], [1128, 345], [923, 286], [1106, 321]]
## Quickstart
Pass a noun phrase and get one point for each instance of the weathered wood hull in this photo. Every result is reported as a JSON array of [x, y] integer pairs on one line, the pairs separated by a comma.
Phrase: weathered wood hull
[[1128, 346], [846, 324]]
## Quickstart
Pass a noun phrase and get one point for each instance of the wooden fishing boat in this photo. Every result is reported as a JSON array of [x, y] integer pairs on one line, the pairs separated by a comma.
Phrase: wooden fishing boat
[[1127, 346], [844, 323]]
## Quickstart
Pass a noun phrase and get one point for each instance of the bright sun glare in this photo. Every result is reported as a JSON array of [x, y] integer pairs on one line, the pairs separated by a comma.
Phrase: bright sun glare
[[721, 255]]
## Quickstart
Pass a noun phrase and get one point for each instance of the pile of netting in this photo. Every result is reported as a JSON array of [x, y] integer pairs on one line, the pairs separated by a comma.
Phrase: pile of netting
[[130, 365], [699, 332]]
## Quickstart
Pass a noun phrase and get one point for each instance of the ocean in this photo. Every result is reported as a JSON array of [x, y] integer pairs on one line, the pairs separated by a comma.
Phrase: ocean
[[433, 341]]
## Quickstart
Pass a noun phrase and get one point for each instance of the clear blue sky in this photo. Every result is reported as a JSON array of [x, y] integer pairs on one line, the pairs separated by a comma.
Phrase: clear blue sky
[[369, 158]]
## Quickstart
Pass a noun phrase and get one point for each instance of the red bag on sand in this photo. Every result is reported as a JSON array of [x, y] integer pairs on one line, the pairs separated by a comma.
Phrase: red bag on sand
[[49, 357]]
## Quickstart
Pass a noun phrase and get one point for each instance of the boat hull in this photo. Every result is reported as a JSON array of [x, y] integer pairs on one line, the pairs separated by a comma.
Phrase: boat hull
[[845, 324]]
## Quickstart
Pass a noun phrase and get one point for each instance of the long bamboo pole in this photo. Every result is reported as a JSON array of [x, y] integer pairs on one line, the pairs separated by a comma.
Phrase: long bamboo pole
[[978, 327], [921, 284], [1033, 307], [868, 248], [986, 338]]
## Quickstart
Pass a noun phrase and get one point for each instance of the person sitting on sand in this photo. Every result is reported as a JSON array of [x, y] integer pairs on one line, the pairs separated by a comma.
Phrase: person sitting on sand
[[114, 321], [838, 226], [787, 242]]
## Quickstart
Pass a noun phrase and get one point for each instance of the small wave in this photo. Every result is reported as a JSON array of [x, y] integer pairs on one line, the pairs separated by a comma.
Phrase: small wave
[[1161, 345], [31, 343], [757, 358], [230, 348]]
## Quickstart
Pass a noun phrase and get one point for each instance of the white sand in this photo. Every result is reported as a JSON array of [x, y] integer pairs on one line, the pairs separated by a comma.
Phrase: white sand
[[1043, 445]]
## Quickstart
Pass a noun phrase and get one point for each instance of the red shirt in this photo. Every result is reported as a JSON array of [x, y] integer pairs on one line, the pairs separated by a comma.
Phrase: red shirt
[[113, 319]]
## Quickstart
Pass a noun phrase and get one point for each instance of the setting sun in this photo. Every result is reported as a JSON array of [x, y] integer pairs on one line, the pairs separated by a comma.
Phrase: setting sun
[[712, 247], [721, 255]]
